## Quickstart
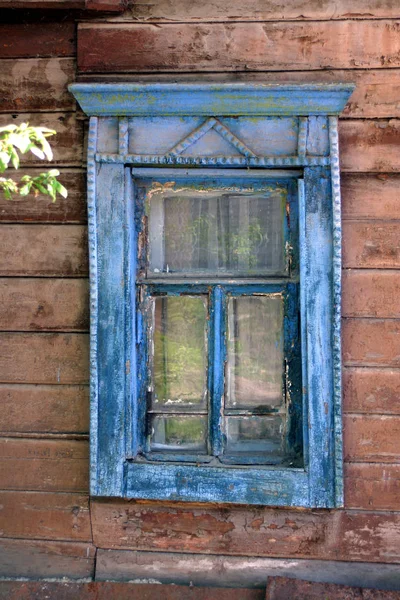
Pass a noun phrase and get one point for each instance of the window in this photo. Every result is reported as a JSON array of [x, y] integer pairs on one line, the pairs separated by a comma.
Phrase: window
[[218, 300], [214, 232]]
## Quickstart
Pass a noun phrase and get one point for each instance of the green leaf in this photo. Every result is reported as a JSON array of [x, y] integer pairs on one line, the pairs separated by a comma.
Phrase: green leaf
[[37, 152], [47, 149], [4, 160], [15, 139], [24, 190], [62, 191], [8, 128], [38, 185], [46, 131], [14, 159]]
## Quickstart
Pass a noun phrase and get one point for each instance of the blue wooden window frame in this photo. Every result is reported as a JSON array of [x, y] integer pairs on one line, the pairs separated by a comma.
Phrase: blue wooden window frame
[[115, 330], [217, 290]]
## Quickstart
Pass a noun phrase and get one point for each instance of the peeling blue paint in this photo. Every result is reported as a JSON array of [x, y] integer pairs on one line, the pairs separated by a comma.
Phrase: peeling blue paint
[[118, 341], [210, 99]]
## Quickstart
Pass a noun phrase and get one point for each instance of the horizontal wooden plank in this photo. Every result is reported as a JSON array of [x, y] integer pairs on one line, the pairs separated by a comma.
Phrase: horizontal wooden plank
[[239, 571], [371, 244], [45, 515], [94, 6], [55, 358], [44, 465], [67, 144], [42, 209], [36, 84], [293, 46], [110, 590], [375, 96], [39, 559], [338, 535], [370, 196], [371, 390], [280, 588], [371, 342], [259, 10], [372, 486], [367, 146], [46, 450], [372, 438], [371, 293], [51, 250], [44, 408], [22, 40], [44, 304]]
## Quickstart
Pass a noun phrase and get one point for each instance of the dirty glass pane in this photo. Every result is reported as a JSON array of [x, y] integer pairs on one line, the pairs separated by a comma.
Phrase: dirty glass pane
[[217, 232], [247, 435], [178, 433], [255, 352], [179, 353]]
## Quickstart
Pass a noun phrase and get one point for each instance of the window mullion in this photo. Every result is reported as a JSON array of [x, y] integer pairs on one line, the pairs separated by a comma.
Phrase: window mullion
[[217, 345]]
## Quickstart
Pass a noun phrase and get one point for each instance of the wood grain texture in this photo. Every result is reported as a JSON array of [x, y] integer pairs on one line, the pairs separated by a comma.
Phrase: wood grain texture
[[259, 10], [67, 145], [22, 40], [95, 6], [41, 209], [338, 535], [238, 46], [238, 571], [371, 293], [44, 304], [55, 358], [370, 146], [44, 408], [371, 438], [45, 515], [375, 96], [370, 196], [36, 84], [372, 486], [111, 590], [371, 391], [371, 342], [281, 588], [37, 559], [371, 244], [44, 465], [50, 250]]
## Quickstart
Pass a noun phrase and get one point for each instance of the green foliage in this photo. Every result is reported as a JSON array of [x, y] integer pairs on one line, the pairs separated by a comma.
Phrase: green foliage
[[15, 139]]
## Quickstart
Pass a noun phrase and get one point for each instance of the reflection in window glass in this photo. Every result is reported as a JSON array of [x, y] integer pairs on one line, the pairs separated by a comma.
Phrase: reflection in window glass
[[178, 433], [179, 346], [255, 352], [254, 435], [217, 233]]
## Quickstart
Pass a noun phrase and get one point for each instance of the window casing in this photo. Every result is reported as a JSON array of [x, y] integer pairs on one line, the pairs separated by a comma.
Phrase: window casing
[[150, 297]]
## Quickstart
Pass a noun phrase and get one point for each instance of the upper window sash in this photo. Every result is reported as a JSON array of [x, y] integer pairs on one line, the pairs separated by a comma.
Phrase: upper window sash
[[157, 223]]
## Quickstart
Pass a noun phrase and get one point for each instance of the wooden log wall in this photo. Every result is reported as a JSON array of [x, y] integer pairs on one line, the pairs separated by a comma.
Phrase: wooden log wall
[[48, 524]]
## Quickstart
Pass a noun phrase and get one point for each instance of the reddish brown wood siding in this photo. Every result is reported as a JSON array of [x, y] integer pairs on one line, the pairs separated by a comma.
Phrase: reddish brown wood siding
[[46, 517]]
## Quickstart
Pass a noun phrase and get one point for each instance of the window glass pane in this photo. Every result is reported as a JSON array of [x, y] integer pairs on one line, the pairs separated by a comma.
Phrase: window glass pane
[[179, 353], [217, 232], [255, 352], [178, 433], [255, 435]]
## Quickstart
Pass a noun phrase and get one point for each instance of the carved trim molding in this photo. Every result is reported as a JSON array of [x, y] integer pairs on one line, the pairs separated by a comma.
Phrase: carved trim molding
[[157, 99]]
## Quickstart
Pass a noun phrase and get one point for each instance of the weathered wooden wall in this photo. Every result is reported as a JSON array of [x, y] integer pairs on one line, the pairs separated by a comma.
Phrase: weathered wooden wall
[[48, 526]]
